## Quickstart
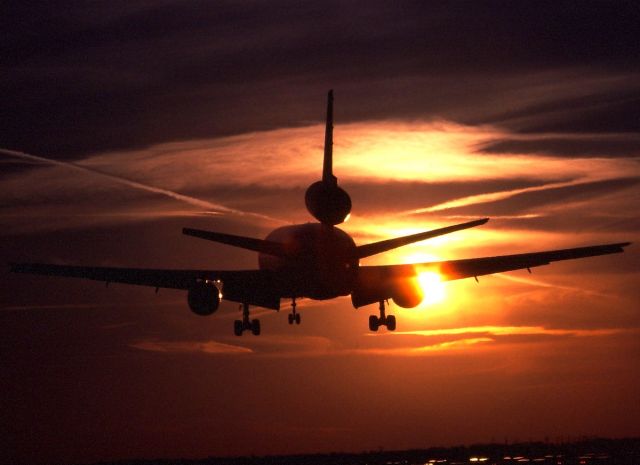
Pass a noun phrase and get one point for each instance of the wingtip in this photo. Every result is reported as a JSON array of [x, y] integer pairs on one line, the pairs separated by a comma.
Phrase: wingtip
[[478, 222]]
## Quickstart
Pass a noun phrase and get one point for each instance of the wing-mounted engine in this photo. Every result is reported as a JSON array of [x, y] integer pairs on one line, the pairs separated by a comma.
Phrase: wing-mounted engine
[[375, 284], [204, 298], [327, 202]]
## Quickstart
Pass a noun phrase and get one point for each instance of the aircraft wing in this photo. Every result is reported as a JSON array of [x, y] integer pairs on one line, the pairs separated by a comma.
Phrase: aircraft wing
[[381, 282], [473, 267], [255, 287]]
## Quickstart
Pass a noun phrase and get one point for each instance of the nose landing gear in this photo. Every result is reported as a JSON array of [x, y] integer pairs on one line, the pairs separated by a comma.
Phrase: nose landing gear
[[383, 320], [293, 316], [239, 326]]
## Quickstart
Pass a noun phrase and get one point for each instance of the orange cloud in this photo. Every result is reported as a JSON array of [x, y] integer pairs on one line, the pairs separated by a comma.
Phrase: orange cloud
[[184, 347]]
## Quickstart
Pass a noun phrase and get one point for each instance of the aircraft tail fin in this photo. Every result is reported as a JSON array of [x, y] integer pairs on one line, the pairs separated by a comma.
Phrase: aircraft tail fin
[[327, 167], [243, 242], [378, 247]]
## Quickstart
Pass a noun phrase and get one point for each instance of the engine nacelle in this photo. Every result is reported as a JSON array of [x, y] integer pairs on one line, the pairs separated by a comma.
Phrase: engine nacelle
[[376, 284], [329, 204], [408, 300], [407, 293], [203, 298]]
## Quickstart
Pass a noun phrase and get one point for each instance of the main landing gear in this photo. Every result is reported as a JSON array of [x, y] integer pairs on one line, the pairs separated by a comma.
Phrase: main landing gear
[[388, 321], [239, 326], [293, 316]]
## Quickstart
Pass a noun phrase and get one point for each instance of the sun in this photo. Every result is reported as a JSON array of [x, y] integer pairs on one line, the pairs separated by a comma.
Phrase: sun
[[430, 281], [432, 287]]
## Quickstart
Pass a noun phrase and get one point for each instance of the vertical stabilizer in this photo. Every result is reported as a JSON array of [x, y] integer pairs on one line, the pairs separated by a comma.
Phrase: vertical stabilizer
[[327, 168], [327, 202]]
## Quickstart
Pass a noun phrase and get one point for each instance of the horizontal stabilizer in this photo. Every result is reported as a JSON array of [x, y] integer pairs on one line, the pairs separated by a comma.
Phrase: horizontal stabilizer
[[249, 243], [390, 244]]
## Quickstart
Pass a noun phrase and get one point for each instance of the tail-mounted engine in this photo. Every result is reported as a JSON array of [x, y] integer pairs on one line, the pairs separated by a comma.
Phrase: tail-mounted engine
[[328, 203], [204, 298]]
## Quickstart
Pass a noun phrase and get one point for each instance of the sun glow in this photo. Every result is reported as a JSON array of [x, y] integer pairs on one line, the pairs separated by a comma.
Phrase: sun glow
[[430, 282], [432, 287]]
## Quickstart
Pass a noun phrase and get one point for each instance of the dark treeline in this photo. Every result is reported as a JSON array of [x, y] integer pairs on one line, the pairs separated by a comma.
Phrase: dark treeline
[[583, 452]]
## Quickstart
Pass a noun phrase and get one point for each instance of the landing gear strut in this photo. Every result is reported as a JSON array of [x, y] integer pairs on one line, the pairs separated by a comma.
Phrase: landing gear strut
[[383, 320], [239, 326], [293, 316]]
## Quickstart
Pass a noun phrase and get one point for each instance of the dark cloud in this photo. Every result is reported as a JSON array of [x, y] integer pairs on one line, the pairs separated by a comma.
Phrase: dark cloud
[[525, 202], [84, 77], [568, 147], [617, 223]]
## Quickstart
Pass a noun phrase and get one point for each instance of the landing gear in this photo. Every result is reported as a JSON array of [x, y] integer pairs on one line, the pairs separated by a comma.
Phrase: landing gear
[[293, 316], [389, 321], [239, 326]]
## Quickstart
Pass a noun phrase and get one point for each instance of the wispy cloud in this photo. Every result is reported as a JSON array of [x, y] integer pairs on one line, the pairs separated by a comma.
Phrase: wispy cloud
[[190, 347], [509, 330], [212, 208], [438, 158]]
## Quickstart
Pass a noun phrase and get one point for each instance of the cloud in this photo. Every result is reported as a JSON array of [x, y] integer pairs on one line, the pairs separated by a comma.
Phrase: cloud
[[190, 347], [568, 145], [535, 199], [452, 340], [212, 208], [508, 331], [177, 71], [267, 346]]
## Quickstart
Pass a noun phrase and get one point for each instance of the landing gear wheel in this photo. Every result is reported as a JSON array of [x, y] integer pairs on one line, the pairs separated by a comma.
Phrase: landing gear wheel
[[238, 327], [294, 316], [391, 322], [383, 320]]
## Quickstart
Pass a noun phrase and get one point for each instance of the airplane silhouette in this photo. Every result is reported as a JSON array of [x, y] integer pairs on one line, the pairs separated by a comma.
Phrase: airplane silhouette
[[315, 260]]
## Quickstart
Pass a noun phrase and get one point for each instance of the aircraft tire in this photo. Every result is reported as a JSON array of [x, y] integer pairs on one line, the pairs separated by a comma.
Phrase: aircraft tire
[[297, 318], [255, 327], [290, 317], [238, 327], [391, 322], [373, 323]]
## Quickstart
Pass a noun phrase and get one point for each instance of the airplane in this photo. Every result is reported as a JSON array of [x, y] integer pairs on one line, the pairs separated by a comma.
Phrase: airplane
[[316, 260]]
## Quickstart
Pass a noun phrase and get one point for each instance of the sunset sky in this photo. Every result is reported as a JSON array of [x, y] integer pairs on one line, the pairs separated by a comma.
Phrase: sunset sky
[[124, 121]]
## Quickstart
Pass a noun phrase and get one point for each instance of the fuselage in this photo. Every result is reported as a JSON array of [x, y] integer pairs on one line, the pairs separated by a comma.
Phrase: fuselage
[[320, 262]]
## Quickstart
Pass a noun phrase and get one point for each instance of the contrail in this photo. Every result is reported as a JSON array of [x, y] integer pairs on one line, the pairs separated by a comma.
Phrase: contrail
[[212, 207]]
